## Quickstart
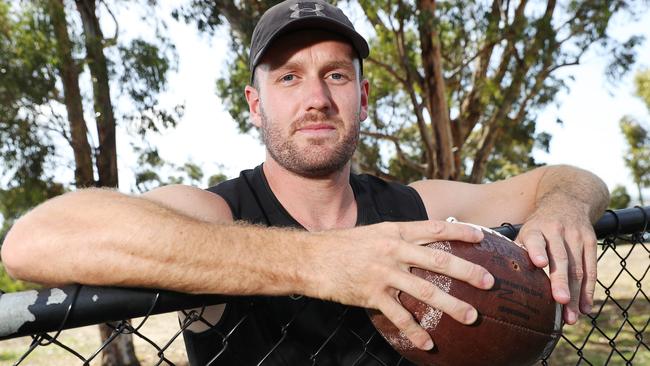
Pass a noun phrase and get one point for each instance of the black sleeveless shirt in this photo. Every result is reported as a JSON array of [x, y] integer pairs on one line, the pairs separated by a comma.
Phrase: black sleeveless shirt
[[297, 330]]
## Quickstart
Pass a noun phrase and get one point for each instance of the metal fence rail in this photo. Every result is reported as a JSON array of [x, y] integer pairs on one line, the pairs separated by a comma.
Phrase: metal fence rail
[[616, 333]]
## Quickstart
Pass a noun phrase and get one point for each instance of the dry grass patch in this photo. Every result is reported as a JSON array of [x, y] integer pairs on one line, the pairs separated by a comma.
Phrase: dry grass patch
[[160, 329], [620, 331]]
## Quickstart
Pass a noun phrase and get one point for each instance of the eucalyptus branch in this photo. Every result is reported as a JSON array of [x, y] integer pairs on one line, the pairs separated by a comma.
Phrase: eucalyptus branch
[[379, 173], [410, 75], [400, 153], [61, 130], [572, 20], [570, 36], [112, 41], [481, 52], [573, 63], [233, 14], [374, 20], [502, 12], [471, 107], [388, 69]]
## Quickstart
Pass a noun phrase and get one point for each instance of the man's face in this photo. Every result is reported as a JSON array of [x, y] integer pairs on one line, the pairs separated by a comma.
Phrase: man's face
[[309, 102]]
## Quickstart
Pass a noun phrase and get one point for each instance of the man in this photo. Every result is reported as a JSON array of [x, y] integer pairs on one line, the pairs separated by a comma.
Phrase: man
[[308, 99]]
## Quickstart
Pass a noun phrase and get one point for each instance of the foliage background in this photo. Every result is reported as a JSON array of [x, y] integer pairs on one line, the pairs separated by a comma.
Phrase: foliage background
[[219, 148]]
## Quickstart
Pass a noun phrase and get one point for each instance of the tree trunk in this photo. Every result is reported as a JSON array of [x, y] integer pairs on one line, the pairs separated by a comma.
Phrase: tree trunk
[[485, 149], [72, 96], [120, 351], [638, 187], [107, 151], [472, 107], [435, 90]]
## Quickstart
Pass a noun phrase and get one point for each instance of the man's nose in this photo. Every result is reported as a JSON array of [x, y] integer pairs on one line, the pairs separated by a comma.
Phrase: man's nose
[[317, 95]]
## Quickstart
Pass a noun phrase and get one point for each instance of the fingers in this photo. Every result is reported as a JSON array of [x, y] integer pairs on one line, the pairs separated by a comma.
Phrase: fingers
[[404, 321], [433, 296], [571, 255], [422, 232], [590, 274], [575, 272], [535, 243], [437, 261], [558, 268], [440, 261], [429, 294]]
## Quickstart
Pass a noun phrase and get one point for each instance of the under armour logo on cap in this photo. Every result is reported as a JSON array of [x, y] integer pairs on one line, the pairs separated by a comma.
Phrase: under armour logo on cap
[[299, 11]]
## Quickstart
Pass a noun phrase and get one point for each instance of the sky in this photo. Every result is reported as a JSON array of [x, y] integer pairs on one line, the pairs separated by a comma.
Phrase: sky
[[589, 137]]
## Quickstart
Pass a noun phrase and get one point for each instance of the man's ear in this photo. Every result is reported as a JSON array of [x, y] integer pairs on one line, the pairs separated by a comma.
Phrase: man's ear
[[253, 99], [364, 87]]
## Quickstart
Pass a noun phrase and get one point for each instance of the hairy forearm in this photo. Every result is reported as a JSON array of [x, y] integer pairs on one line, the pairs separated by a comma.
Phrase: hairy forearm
[[106, 238], [236, 259], [562, 184]]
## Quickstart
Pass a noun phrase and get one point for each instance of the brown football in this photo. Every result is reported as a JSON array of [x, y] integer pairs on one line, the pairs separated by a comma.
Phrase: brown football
[[519, 323]]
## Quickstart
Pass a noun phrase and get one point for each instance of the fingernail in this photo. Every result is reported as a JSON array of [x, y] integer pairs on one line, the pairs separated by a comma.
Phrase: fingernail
[[470, 316], [587, 309], [428, 345], [488, 280], [479, 234], [572, 317], [540, 259], [565, 294]]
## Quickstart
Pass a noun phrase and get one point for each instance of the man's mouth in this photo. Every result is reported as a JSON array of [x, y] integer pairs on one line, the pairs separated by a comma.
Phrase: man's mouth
[[322, 127]]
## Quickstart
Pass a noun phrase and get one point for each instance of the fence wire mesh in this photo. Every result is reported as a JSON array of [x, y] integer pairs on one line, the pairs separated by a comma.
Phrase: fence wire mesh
[[616, 333]]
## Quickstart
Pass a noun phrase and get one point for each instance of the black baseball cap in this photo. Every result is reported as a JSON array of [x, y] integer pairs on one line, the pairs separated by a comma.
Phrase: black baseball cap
[[292, 15]]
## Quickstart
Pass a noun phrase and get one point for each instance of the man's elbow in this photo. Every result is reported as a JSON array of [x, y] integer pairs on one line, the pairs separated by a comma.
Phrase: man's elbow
[[24, 249], [596, 188], [600, 191], [14, 254], [604, 202]]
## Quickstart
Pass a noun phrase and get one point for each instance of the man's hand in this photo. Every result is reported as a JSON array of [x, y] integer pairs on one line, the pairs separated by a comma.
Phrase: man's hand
[[556, 204], [368, 267], [562, 237]]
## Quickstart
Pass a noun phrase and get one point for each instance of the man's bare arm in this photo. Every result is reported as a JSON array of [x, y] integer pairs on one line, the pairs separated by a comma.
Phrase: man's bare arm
[[101, 237], [513, 200]]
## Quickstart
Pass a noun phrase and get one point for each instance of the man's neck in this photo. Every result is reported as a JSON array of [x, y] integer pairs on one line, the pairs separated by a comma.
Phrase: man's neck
[[318, 204]]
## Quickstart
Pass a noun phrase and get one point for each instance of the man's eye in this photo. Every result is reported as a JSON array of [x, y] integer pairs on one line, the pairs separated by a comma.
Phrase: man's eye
[[288, 77], [337, 76]]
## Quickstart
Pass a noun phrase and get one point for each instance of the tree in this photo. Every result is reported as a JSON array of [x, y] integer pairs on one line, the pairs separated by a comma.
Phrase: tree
[[153, 171], [449, 79], [637, 156], [637, 137], [43, 103], [619, 198], [26, 81], [642, 84]]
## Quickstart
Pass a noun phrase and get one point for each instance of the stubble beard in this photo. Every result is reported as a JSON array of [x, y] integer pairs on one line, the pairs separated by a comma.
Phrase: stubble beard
[[314, 163]]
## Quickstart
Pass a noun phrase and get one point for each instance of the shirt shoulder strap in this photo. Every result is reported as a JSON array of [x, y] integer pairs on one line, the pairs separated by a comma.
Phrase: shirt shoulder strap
[[380, 200]]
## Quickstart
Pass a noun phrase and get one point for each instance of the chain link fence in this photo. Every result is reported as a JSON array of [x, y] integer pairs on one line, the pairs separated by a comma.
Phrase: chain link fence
[[616, 333]]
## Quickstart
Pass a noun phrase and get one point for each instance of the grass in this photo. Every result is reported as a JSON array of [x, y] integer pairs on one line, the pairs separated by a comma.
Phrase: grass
[[160, 329], [8, 355], [8, 284], [593, 338]]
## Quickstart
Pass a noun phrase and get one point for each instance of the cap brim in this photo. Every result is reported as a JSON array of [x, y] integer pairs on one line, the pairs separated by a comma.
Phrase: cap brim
[[316, 22]]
